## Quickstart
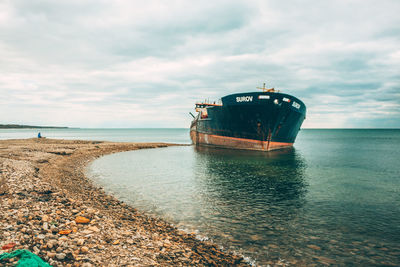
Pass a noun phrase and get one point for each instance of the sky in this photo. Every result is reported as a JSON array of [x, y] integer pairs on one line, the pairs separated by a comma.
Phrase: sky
[[128, 64]]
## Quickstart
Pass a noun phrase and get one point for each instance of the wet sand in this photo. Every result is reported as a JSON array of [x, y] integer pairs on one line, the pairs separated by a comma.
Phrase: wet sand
[[49, 207]]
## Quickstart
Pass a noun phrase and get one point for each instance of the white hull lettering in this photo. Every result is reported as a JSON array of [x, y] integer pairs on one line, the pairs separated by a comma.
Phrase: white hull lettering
[[244, 99]]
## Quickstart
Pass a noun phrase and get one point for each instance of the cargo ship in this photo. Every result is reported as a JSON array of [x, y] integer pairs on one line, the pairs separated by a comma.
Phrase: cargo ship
[[265, 120]]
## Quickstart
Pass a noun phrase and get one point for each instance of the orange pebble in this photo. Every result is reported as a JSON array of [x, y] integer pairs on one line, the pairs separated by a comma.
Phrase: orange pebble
[[81, 219], [8, 246], [65, 232]]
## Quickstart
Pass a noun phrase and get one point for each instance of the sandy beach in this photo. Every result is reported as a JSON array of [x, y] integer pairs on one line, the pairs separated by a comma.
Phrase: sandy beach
[[49, 207]]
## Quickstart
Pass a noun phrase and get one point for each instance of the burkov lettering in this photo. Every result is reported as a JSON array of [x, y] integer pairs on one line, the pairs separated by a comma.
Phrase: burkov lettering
[[244, 99]]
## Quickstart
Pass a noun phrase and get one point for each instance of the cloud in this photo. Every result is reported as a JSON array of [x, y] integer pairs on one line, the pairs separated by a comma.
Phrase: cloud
[[144, 64]]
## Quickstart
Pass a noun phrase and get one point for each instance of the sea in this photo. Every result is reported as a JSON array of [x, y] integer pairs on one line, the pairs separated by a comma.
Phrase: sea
[[333, 199]]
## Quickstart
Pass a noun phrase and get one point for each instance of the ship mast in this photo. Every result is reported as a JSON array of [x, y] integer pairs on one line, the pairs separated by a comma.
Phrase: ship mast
[[266, 89]]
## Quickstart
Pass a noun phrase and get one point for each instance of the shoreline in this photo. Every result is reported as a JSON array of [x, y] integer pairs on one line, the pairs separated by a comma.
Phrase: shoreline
[[43, 189]]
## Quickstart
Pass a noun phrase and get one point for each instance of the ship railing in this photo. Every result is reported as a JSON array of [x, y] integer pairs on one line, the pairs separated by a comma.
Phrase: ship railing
[[204, 105]]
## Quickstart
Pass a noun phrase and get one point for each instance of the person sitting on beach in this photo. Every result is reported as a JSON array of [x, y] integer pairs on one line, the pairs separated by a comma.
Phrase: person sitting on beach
[[39, 135]]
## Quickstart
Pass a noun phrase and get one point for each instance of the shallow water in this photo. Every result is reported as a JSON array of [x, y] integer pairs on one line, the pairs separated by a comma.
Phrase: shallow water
[[333, 199]]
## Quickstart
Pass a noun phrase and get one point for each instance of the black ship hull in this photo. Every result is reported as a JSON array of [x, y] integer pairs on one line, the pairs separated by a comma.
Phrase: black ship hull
[[255, 121]]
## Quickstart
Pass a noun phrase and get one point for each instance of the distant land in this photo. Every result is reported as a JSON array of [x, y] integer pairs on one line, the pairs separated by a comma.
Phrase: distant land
[[18, 126]]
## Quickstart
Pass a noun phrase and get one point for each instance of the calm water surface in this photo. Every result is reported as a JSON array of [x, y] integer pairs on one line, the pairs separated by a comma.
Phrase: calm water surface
[[333, 199], [115, 135]]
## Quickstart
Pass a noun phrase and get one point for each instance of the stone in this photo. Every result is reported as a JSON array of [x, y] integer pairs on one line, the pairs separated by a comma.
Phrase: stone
[[93, 228], [41, 237], [51, 254], [91, 211], [84, 249], [87, 232], [36, 250], [81, 219], [50, 244], [326, 261], [314, 247], [255, 237], [65, 232], [45, 218], [60, 256]]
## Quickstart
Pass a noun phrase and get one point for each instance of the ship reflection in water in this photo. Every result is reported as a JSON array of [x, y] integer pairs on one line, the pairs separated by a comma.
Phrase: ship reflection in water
[[333, 200], [250, 197]]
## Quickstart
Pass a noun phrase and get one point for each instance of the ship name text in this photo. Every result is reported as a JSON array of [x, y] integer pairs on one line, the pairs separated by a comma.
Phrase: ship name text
[[296, 105], [244, 99]]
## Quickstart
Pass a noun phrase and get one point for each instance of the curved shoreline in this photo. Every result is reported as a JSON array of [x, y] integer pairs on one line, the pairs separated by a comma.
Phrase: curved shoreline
[[43, 189]]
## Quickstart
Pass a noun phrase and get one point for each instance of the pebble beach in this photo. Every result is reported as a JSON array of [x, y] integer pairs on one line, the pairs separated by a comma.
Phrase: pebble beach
[[49, 207]]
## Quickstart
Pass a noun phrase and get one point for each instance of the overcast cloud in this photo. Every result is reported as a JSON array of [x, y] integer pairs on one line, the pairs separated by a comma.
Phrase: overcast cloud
[[145, 63]]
